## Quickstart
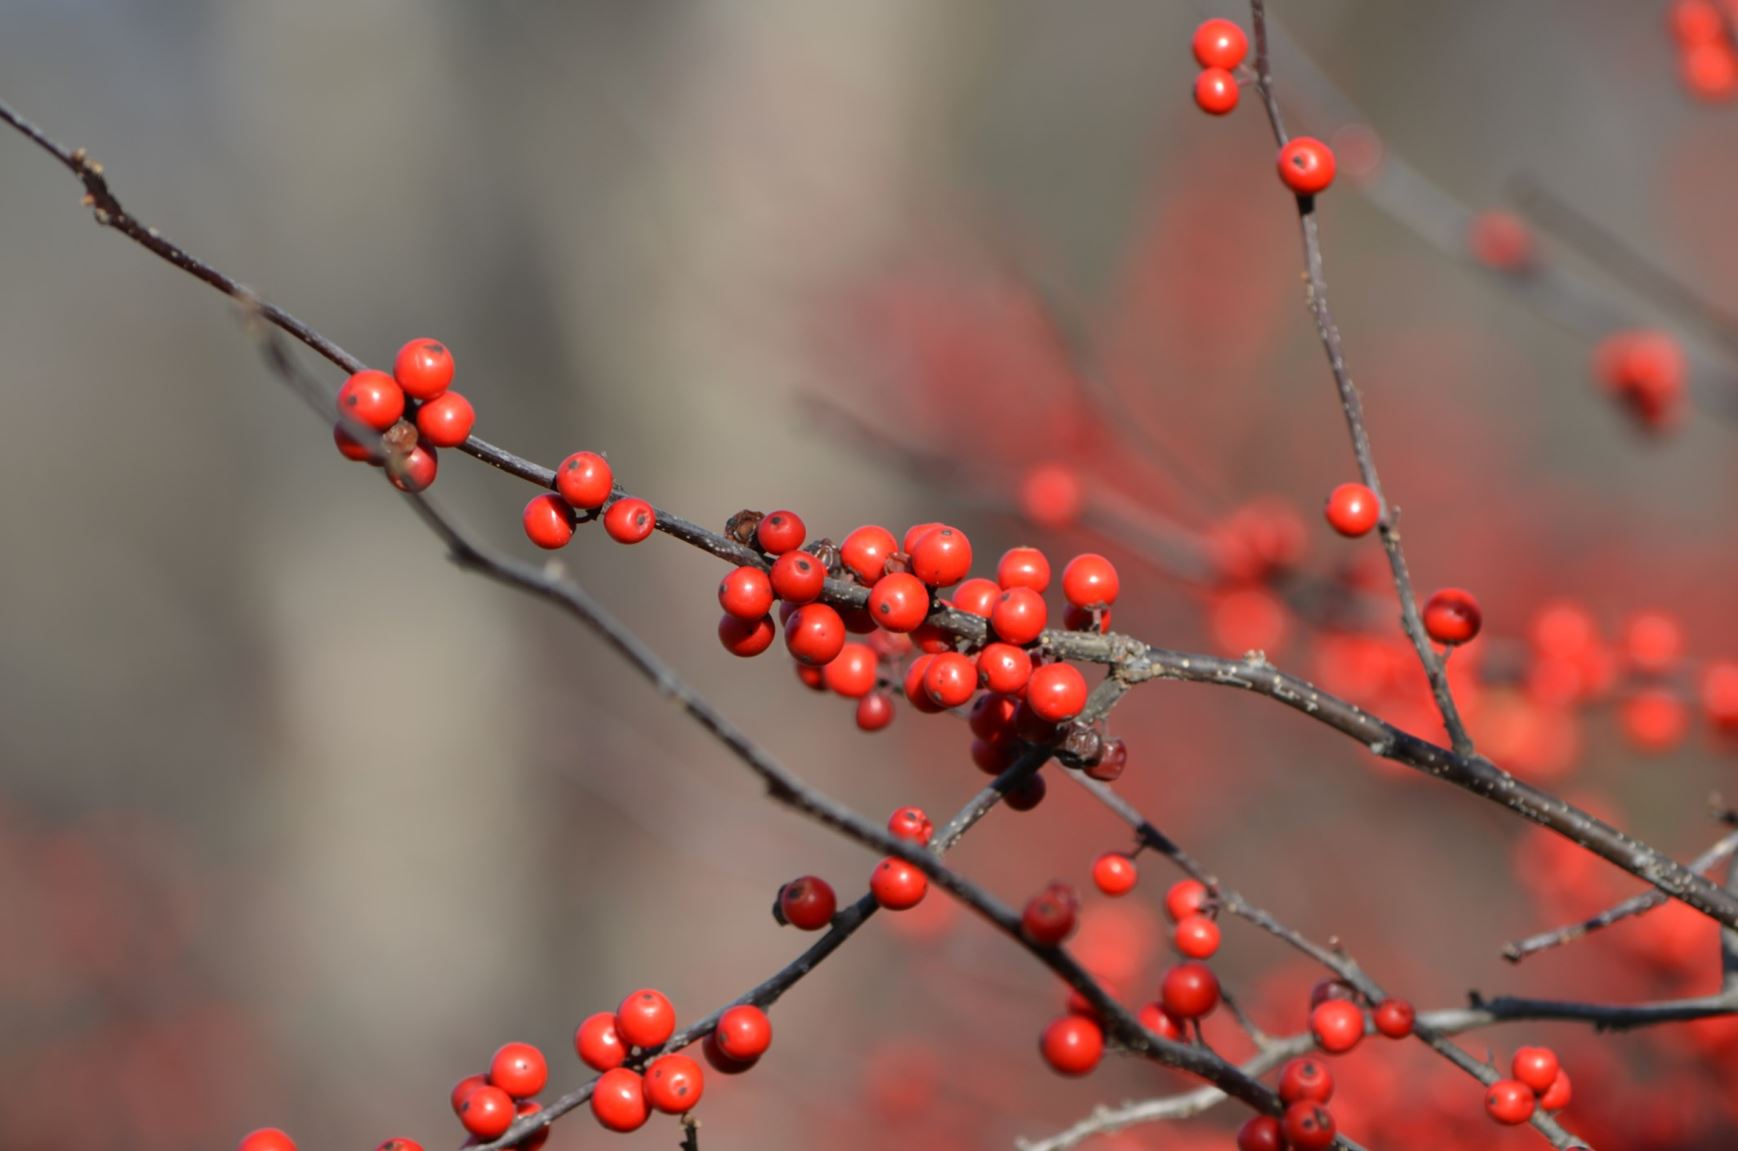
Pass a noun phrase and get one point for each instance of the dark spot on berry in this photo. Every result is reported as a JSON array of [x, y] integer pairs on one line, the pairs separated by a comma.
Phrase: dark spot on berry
[[884, 607], [435, 349]]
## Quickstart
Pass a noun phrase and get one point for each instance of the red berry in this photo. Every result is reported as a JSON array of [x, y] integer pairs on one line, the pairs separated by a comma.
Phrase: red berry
[[618, 1100], [1327, 989], [1020, 615], [674, 1084], [911, 823], [744, 1033], [1050, 916], [798, 577], [1338, 1025], [487, 1112], [1452, 616], [1051, 495], [548, 521], [645, 1018], [1696, 22], [1156, 1019], [746, 637], [1352, 510], [1710, 70], [899, 602], [1219, 44], [1072, 1044], [1537, 1067], [815, 634], [629, 520], [351, 448], [266, 1139], [413, 471], [1216, 91], [942, 557], [1185, 898], [874, 712], [1720, 694], [446, 421], [463, 1088], [1023, 567], [1056, 692], [533, 1141], [991, 715], [1090, 581], [372, 399], [977, 597], [897, 885], [806, 903], [1308, 1127], [423, 368], [745, 593], [1197, 936], [1004, 668], [519, 1069], [951, 679], [1114, 873], [852, 672], [813, 678], [1394, 1018], [597, 1043], [780, 532], [1559, 1095], [1189, 990], [865, 552], [914, 689], [1510, 1102], [719, 1061], [1261, 1133], [1306, 1079], [1306, 165], [585, 480]]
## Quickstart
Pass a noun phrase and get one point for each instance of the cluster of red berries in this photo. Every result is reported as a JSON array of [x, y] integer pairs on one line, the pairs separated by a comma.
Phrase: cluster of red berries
[[1305, 1086], [487, 1104], [585, 483], [1220, 47], [622, 1098], [1645, 373], [1706, 56], [1537, 1082], [1338, 1022], [414, 410]]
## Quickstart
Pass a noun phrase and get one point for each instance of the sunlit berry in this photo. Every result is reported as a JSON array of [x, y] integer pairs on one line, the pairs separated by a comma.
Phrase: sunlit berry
[[1050, 916], [897, 885], [1216, 91], [423, 368], [266, 1139], [597, 1042], [865, 552], [951, 679], [745, 593], [1308, 1127], [798, 577], [977, 597], [1004, 668], [1219, 43], [629, 520], [1509, 1102], [372, 399], [548, 521], [585, 480], [1306, 165], [913, 686], [1020, 616], [1056, 692], [806, 903], [1090, 581], [1559, 1094], [911, 823], [1197, 936], [519, 1069], [1352, 510], [1072, 1044], [487, 1112], [746, 637], [852, 672], [1305, 1078], [1189, 990], [1394, 1018], [1537, 1067], [1452, 616], [744, 1033], [1261, 1133], [618, 1100], [465, 1086], [780, 532], [815, 634], [446, 421], [874, 711], [645, 1018], [1114, 873], [942, 557], [1186, 897], [1023, 567], [899, 602], [1338, 1025], [674, 1084]]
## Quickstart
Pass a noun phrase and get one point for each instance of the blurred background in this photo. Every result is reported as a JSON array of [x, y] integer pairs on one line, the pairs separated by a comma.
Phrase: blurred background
[[298, 823]]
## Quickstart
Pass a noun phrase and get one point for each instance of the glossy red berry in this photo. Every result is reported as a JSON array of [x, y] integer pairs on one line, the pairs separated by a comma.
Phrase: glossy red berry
[[413, 471], [1216, 91], [1559, 1095], [1154, 1018], [629, 520], [1537, 1067], [266, 1139], [852, 672], [780, 532], [487, 1112], [1308, 1127], [674, 1084], [446, 421], [1114, 873], [874, 711], [597, 1042], [865, 552], [807, 903], [1019, 616], [1219, 44], [1338, 1025], [1056, 692], [548, 521], [720, 1062], [815, 634], [464, 1087], [1023, 567], [423, 368], [538, 1137], [1004, 668], [1050, 916], [1185, 898], [951, 679], [519, 1069], [897, 885], [746, 637], [911, 823], [1262, 1133], [942, 557], [1072, 1044], [585, 480], [645, 1018], [1090, 581], [372, 399], [977, 597], [744, 1033], [899, 602], [618, 1100], [745, 593], [1452, 616], [992, 715], [1394, 1018], [914, 533], [1509, 1102], [1306, 1079], [915, 694], [1306, 165], [1197, 936], [1352, 510], [1189, 990], [798, 577]]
